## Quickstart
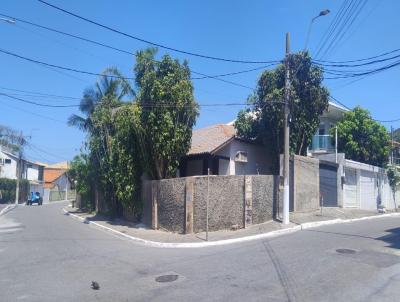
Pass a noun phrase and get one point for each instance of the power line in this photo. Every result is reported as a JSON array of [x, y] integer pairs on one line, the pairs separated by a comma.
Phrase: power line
[[360, 7], [106, 75], [358, 60], [347, 14], [62, 67], [40, 93], [36, 103], [331, 29], [35, 114], [154, 43], [129, 52]]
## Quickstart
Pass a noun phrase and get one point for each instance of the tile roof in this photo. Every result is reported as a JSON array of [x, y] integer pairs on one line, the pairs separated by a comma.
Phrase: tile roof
[[207, 140], [50, 175]]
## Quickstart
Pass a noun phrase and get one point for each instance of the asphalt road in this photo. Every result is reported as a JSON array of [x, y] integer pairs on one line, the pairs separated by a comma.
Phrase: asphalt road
[[47, 256]]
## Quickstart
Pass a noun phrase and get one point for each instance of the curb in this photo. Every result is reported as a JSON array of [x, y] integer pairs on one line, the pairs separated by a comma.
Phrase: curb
[[7, 209], [303, 226], [308, 225]]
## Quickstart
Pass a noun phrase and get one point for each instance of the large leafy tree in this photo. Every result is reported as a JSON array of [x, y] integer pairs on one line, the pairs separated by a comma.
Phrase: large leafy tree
[[264, 120], [168, 112], [363, 139]]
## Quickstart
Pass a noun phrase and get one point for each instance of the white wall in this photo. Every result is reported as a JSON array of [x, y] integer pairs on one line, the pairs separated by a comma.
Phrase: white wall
[[258, 159], [8, 170], [379, 190], [32, 172]]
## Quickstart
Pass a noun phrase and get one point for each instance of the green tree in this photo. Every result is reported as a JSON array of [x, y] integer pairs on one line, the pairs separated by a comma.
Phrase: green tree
[[82, 173], [263, 121], [116, 87], [393, 174], [363, 139], [396, 135], [169, 111]]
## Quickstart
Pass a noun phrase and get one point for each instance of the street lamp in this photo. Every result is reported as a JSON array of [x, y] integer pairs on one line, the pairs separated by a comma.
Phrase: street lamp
[[286, 193], [321, 14]]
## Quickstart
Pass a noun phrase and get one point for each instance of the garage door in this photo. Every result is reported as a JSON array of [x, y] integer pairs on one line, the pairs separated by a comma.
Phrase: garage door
[[328, 185], [350, 188], [369, 191]]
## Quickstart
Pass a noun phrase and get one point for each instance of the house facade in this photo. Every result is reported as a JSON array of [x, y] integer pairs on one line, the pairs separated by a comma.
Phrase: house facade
[[57, 185], [216, 150], [323, 142], [31, 171]]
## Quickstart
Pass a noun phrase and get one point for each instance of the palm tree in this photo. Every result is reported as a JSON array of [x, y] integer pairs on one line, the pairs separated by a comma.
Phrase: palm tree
[[112, 85]]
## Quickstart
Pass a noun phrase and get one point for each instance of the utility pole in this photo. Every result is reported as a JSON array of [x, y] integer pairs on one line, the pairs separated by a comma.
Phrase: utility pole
[[285, 218], [392, 149], [336, 145], [19, 166]]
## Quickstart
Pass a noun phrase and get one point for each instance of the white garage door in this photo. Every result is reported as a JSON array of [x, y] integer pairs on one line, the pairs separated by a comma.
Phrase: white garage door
[[369, 190], [350, 188]]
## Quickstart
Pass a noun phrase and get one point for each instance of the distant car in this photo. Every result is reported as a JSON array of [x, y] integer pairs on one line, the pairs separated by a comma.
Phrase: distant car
[[35, 198]]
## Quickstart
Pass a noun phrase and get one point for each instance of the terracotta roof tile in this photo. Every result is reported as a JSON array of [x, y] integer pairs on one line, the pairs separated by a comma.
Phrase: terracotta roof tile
[[206, 140]]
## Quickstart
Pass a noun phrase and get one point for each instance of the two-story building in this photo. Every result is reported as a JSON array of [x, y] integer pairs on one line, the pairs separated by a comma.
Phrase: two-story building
[[31, 171]]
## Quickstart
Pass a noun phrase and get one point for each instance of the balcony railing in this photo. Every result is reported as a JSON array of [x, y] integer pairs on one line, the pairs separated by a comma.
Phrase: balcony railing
[[322, 143]]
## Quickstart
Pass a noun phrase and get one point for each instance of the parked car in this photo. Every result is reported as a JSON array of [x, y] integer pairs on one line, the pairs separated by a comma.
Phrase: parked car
[[35, 198]]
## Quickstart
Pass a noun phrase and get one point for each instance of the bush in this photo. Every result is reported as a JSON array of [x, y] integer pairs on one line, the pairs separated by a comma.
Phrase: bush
[[7, 190]]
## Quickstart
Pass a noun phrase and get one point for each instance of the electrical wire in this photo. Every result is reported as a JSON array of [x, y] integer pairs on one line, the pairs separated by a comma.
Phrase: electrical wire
[[128, 52], [36, 103], [345, 17], [106, 75], [330, 30], [154, 43]]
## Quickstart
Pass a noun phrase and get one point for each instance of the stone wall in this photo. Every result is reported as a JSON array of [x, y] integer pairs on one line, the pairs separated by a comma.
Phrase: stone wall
[[225, 202], [180, 204]]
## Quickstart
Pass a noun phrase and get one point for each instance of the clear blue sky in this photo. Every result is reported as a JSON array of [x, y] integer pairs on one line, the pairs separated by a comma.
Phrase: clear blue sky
[[251, 30]]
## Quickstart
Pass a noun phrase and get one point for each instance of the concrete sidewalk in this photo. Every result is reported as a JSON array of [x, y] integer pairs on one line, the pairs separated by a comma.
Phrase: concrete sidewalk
[[144, 233]]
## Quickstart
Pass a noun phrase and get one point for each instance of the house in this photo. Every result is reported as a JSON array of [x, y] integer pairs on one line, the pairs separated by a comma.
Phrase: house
[[322, 141], [31, 171], [57, 185], [218, 151]]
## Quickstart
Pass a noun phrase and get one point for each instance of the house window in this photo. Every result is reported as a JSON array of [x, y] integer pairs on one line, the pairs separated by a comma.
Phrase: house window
[[7, 161], [40, 176]]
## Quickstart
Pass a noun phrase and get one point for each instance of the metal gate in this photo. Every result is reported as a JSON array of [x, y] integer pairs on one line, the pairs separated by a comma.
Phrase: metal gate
[[328, 185], [350, 189], [369, 190]]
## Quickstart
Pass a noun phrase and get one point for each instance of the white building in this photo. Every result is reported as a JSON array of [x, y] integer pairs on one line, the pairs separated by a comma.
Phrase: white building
[[32, 171]]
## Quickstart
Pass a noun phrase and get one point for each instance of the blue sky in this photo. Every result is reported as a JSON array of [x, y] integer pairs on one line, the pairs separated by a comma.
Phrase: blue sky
[[249, 30]]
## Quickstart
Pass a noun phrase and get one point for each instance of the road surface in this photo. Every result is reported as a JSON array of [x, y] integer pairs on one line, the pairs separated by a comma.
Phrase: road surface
[[48, 256]]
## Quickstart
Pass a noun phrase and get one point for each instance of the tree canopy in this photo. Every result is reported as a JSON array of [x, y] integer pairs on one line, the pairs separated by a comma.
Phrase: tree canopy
[[263, 121], [129, 134], [363, 139], [168, 112]]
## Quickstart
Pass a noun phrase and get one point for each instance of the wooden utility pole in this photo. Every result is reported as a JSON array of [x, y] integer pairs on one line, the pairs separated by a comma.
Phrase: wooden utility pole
[[285, 210]]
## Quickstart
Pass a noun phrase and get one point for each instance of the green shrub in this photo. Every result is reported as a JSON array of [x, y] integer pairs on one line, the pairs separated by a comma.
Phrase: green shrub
[[7, 190]]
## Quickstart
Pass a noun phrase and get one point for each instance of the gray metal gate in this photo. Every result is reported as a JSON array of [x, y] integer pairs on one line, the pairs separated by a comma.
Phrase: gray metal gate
[[328, 185]]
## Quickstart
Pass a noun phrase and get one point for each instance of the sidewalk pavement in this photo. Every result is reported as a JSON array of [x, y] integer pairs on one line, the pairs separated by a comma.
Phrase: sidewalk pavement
[[143, 232]]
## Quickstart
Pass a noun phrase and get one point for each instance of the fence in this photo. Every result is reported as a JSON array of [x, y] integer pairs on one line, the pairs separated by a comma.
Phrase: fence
[[188, 204], [57, 195]]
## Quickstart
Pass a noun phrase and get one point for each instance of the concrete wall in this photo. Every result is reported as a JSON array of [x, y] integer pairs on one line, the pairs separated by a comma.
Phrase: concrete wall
[[306, 183], [180, 204]]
